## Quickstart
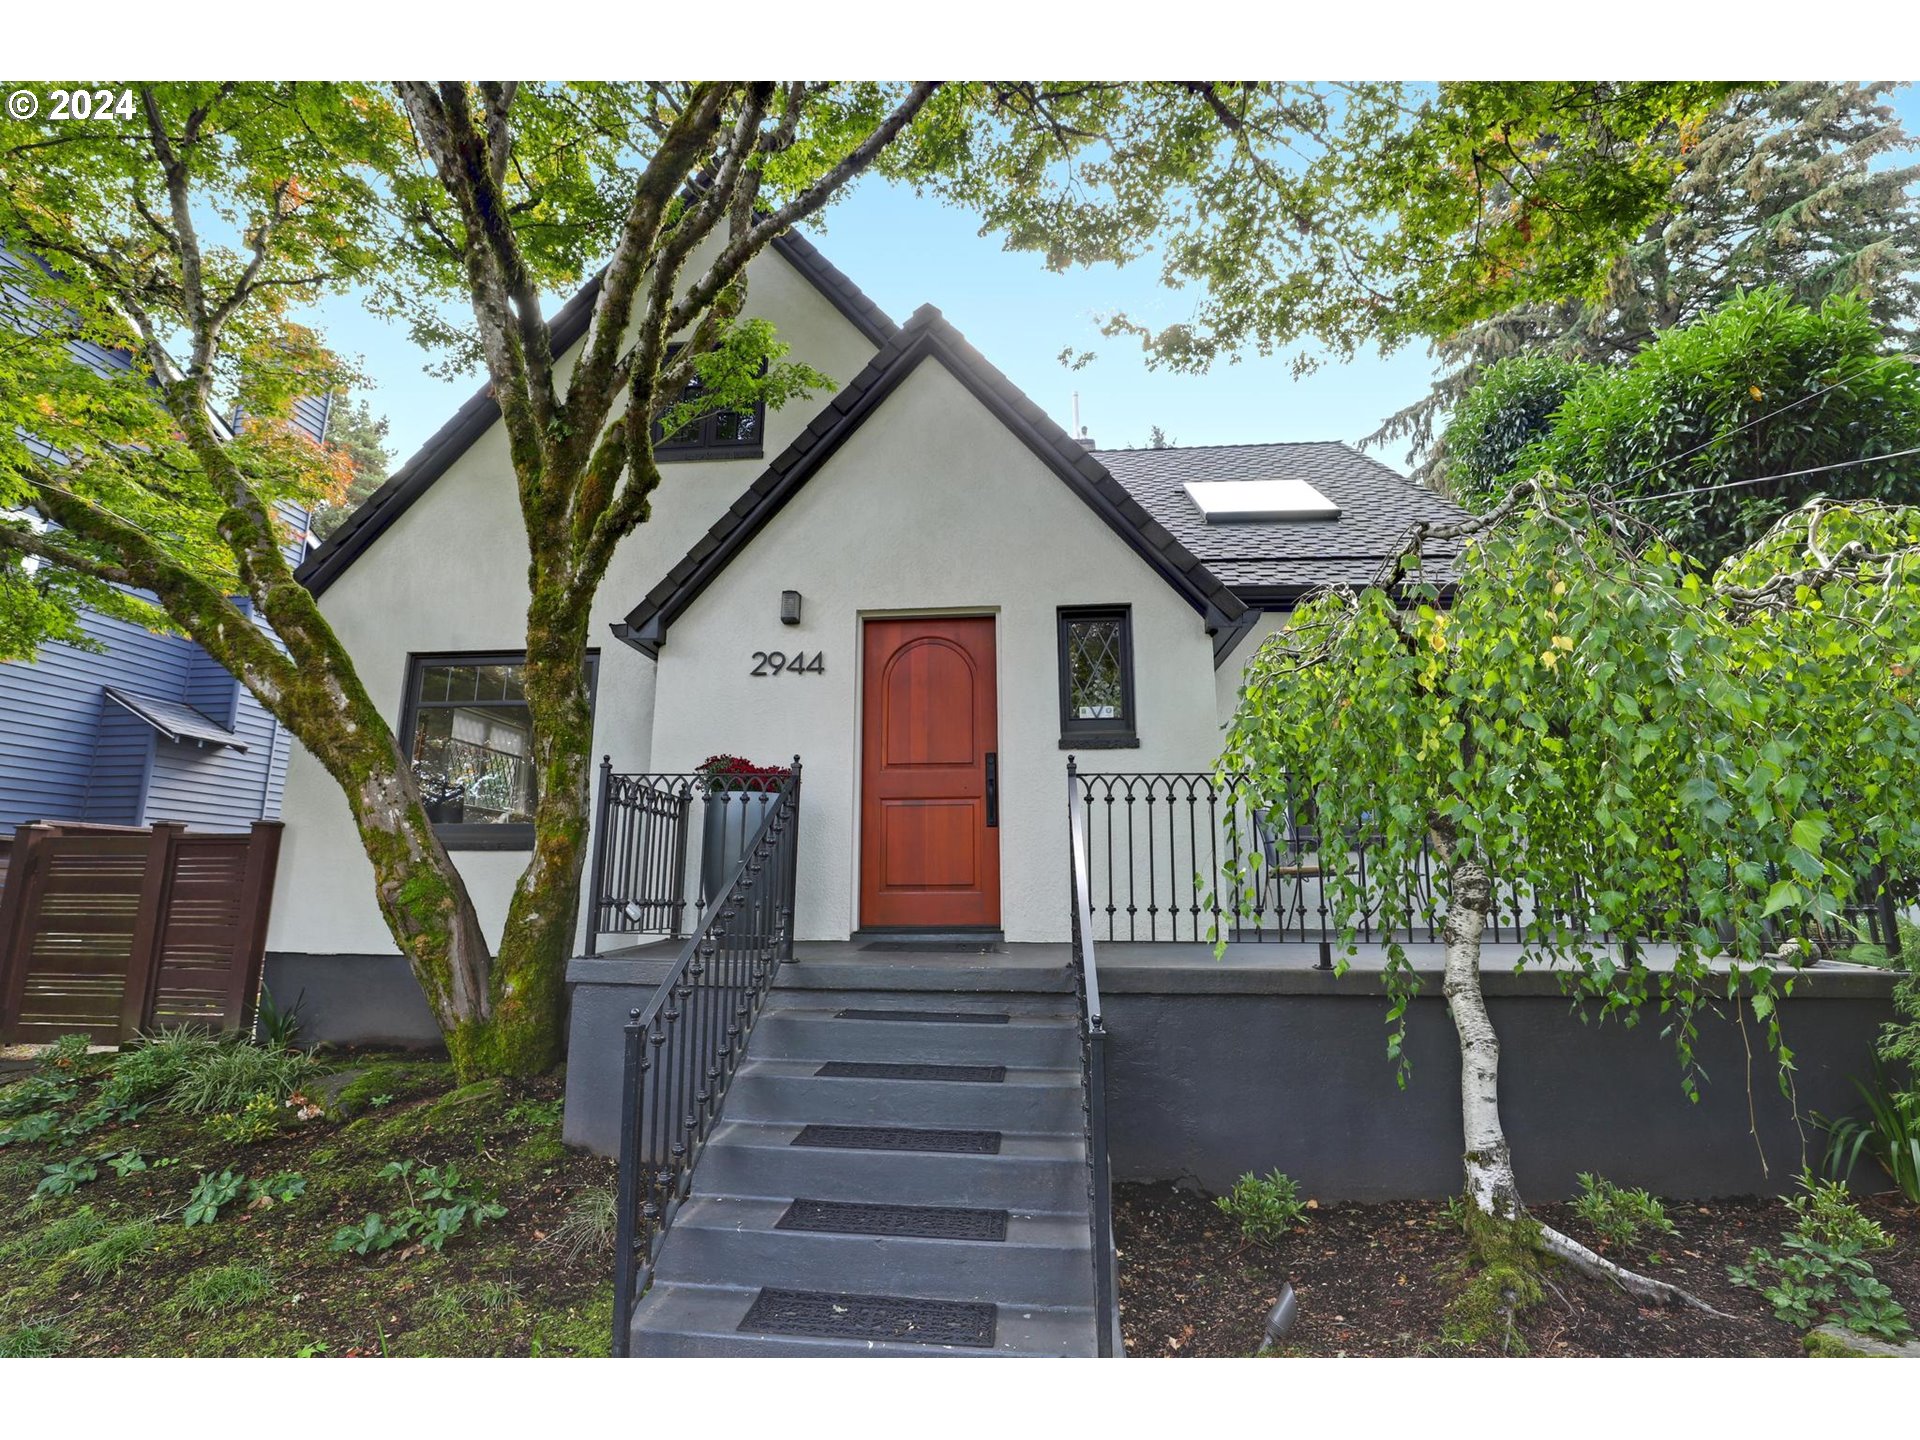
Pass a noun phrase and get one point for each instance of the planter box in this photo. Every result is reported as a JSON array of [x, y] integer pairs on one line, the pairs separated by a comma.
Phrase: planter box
[[733, 818]]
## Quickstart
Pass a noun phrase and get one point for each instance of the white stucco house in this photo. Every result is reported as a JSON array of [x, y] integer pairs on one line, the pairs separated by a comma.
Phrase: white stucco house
[[982, 636], [921, 584]]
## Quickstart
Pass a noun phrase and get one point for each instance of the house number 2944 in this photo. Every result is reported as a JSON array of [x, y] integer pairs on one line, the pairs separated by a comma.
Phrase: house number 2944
[[772, 662]]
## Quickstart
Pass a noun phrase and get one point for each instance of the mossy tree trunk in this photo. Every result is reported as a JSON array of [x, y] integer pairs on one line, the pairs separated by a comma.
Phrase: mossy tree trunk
[[506, 187]]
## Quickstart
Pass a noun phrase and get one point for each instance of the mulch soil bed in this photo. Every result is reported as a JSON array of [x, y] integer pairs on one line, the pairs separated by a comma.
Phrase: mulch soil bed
[[503, 1290], [1376, 1279]]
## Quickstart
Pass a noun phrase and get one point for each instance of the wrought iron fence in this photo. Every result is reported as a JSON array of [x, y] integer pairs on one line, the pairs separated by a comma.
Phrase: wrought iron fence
[[663, 843], [683, 1047], [1093, 1073], [1197, 856]]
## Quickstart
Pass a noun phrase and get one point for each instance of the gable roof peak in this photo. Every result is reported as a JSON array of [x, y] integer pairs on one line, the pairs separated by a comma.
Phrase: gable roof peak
[[928, 334], [481, 411]]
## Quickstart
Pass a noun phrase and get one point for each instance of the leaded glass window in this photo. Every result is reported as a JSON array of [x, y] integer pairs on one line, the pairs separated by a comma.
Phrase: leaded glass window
[[720, 434], [1096, 676]]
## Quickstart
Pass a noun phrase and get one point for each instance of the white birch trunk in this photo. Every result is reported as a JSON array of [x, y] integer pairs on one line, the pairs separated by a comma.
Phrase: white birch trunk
[[1488, 1160]]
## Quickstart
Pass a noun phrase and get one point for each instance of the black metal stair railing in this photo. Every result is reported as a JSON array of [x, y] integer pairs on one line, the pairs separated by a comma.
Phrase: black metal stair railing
[[684, 1045], [1093, 1072]]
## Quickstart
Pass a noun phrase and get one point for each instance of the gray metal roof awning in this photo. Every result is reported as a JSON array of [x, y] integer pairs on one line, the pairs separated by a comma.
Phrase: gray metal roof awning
[[174, 720]]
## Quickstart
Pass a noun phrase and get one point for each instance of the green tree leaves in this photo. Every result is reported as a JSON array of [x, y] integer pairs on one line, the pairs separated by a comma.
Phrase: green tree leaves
[[1761, 387]]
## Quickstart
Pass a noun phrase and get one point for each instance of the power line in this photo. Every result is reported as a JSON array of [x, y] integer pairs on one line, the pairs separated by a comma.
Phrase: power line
[[1729, 434], [1713, 440], [1763, 479]]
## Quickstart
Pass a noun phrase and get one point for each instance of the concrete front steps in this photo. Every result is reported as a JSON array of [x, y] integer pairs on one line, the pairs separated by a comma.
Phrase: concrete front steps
[[993, 1258]]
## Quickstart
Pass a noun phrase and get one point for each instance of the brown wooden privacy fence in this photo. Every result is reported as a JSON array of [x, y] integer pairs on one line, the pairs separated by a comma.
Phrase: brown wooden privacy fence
[[110, 930]]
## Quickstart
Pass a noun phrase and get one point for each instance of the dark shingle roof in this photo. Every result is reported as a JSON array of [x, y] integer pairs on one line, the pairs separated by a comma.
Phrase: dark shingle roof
[[927, 334], [474, 418], [1377, 508], [174, 720]]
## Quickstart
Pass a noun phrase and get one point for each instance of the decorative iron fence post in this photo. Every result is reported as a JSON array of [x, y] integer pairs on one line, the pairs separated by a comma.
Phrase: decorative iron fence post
[[1889, 912], [792, 911]]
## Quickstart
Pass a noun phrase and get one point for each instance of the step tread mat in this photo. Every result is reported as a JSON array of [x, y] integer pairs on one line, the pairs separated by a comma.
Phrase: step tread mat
[[896, 1318], [892, 1070], [927, 1017], [897, 1137], [917, 1222]]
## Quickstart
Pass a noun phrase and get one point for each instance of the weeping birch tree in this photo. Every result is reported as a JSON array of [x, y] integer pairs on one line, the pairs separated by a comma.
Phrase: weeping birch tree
[[1617, 744]]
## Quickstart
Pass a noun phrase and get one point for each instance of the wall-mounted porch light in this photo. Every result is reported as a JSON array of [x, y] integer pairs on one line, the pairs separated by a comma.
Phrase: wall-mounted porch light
[[789, 607]]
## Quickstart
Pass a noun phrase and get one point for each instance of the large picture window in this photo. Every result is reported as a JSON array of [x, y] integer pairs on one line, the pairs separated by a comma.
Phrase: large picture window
[[467, 734], [1096, 678]]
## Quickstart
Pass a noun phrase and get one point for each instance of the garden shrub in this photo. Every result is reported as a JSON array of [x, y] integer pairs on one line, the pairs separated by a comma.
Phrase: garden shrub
[[115, 1250], [35, 1093], [259, 1119], [63, 1177], [1619, 1215], [590, 1224], [1266, 1209], [57, 1237], [71, 1055], [211, 1194], [32, 1342], [440, 1204]]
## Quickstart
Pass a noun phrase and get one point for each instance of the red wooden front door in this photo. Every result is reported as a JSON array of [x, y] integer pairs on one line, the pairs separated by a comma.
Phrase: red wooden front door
[[929, 842]]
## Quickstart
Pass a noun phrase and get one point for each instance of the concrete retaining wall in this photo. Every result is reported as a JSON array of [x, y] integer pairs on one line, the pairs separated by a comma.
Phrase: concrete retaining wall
[[1207, 1087], [1221, 1069]]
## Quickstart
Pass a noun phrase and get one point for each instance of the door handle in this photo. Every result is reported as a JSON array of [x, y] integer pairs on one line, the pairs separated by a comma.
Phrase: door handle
[[993, 790]]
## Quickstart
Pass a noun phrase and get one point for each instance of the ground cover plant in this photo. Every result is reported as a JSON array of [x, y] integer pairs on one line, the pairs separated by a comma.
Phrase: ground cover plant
[[1823, 1272], [188, 1238], [1380, 1280]]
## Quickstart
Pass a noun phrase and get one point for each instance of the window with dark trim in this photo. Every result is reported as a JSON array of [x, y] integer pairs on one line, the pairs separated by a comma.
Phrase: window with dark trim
[[467, 732], [717, 435], [1096, 678]]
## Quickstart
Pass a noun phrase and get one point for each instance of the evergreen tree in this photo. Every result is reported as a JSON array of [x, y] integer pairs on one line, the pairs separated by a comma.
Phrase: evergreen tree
[[361, 435], [1785, 185]]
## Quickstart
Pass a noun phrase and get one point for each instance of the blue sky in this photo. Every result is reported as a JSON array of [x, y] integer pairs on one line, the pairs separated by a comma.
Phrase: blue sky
[[906, 251]]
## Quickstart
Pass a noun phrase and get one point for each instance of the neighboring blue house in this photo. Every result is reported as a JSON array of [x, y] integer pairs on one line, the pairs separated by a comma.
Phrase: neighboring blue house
[[149, 727]]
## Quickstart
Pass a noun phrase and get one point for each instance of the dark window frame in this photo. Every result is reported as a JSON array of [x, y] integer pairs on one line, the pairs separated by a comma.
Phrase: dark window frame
[[704, 446], [465, 836], [1121, 733]]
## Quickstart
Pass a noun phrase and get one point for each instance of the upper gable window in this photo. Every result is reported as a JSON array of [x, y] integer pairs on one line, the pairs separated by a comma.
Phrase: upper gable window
[[718, 435]]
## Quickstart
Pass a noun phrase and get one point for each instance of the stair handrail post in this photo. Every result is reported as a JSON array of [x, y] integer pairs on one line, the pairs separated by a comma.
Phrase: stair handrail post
[[1093, 1068], [626, 1236], [791, 908], [597, 885]]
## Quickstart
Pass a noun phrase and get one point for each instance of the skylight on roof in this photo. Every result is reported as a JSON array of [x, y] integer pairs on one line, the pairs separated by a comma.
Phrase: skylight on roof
[[1226, 501]]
